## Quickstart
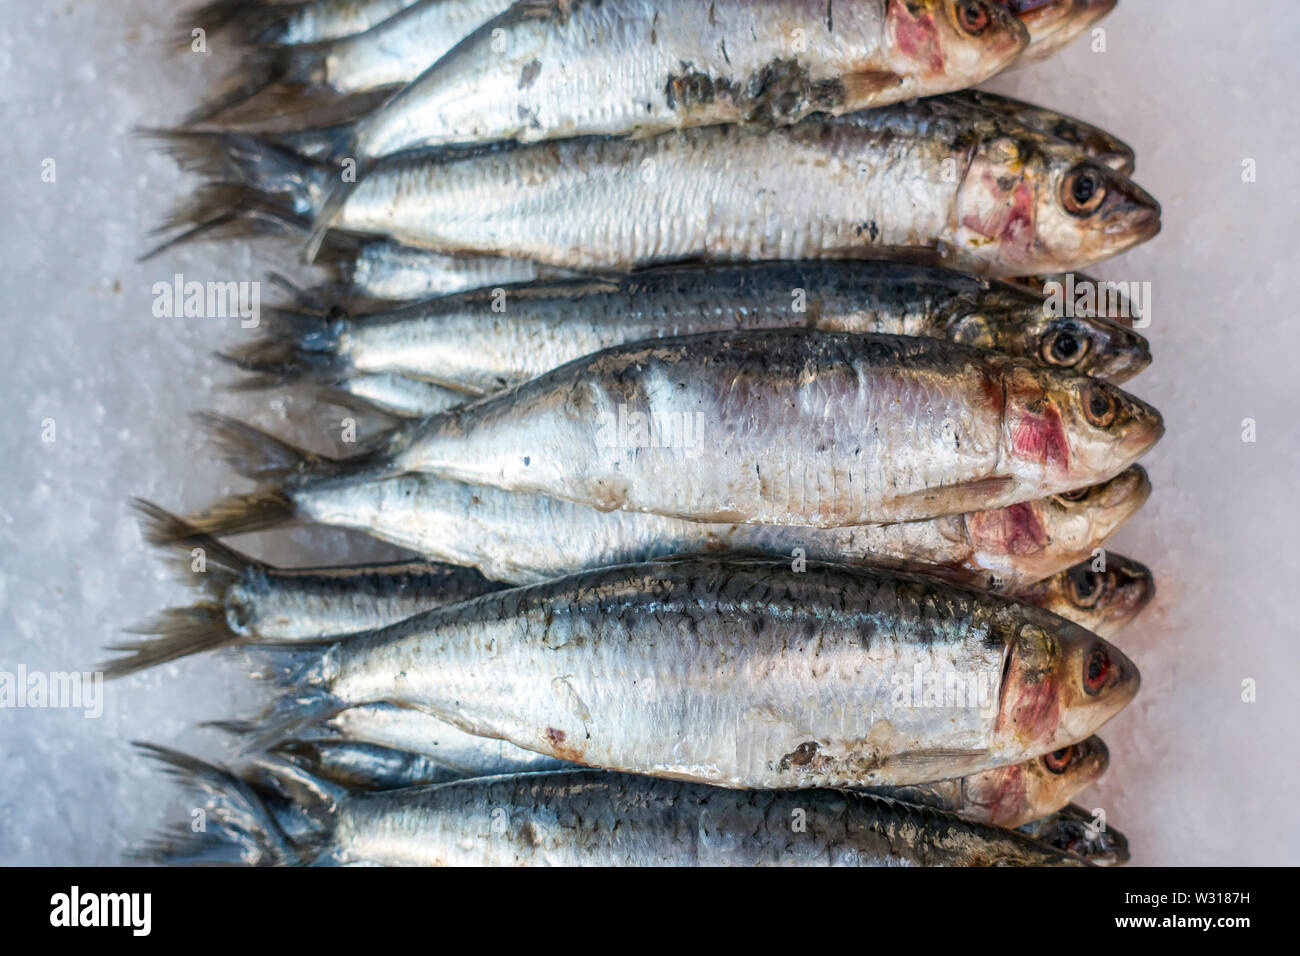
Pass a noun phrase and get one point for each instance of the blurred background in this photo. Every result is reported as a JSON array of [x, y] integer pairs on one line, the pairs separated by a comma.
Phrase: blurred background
[[96, 394]]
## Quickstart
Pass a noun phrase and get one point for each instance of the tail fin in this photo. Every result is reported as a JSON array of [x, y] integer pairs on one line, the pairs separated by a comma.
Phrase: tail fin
[[261, 456], [299, 346], [251, 22], [258, 185], [240, 828], [204, 626], [269, 83], [305, 673], [234, 514]]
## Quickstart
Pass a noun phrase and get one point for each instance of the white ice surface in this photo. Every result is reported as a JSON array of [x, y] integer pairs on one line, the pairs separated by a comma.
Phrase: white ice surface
[[1197, 86]]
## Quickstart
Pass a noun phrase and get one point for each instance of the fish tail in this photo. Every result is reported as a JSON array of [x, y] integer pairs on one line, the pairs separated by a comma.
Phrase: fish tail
[[304, 673], [256, 186], [251, 22], [237, 514], [204, 626], [239, 827], [179, 632], [299, 346], [261, 456], [269, 83]]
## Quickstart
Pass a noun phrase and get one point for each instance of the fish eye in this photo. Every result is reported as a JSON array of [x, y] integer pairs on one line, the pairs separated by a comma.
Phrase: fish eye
[[1099, 406], [1096, 669], [1077, 495], [1063, 347], [1085, 587], [1058, 761], [973, 16], [1083, 190]]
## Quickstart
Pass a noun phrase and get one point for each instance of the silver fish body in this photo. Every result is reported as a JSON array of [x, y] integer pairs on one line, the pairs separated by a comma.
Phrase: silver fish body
[[787, 427], [482, 342], [385, 270], [574, 818], [525, 539], [319, 20], [677, 63], [741, 673]]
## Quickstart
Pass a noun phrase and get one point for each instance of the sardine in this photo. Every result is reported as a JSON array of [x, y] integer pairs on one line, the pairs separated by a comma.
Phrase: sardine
[[1097, 143], [1076, 831], [792, 427], [483, 342], [1009, 796], [580, 818], [671, 64], [735, 672], [1102, 600], [247, 601], [938, 180]]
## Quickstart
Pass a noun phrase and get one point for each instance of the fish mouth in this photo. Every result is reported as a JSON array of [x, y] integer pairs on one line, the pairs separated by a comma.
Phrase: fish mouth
[[1129, 489], [1131, 215], [1135, 588], [1125, 355], [1147, 428], [1054, 23]]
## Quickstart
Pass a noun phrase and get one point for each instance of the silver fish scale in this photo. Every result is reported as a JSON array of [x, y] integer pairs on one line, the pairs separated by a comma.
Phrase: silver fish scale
[[322, 20], [627, 661], [584, 818]]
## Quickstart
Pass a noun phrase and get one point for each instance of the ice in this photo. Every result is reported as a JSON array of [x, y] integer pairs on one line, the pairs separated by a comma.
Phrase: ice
[[1198, 776]]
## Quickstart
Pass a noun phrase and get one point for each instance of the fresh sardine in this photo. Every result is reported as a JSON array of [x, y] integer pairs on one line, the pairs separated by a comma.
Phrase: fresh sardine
[[580, 818], [739, 672], [946, 181], [275, 22], [526, 539], [669, 64], [482, 342]]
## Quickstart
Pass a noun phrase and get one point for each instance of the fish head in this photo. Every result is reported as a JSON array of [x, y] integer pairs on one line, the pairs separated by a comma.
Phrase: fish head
[[942, 41], [1018, 793], [1041, 537], [1108, 150], [1065, 430], [1076, 831], [1090, 346], [1101, 596], [1060, 683], [1054, 23], [1029, 204]]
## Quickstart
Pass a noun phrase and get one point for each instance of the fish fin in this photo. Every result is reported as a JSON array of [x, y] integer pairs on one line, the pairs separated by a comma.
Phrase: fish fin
[[259, 455], [181, 631], [250, 22], [279, 76], [239, 820], [299, 346], [325, 216], [304, 672], [256, 186], [234, 514], [963, 496], [864, 84]]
